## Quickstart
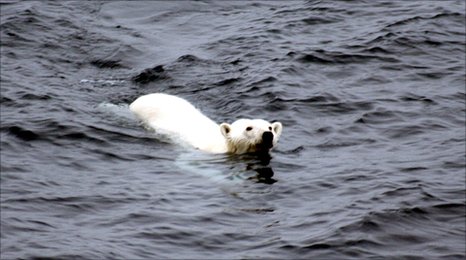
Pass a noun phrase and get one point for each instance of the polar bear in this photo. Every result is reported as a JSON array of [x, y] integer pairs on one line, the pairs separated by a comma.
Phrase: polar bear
[[177, 118]]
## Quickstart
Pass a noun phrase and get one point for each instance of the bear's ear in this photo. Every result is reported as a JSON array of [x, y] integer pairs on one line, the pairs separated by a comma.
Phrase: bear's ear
[[225, 129], [277, 128]]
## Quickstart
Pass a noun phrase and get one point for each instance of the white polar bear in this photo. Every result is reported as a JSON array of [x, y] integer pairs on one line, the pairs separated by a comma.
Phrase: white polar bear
[[176, 117]]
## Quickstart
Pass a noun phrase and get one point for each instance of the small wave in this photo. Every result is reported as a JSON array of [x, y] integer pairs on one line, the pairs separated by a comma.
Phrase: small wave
[[380, 117], [189, 58], [23, 134], [459, 17], [151, 75], [335, 143], [111, 64], [227, 81], [332, 57]]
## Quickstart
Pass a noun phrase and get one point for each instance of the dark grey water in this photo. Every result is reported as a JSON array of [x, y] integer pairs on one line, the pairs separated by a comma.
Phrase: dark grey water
[[371, 163]]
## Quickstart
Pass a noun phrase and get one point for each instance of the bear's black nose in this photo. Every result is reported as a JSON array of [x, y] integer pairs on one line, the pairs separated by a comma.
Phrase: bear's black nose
[[267, 139]]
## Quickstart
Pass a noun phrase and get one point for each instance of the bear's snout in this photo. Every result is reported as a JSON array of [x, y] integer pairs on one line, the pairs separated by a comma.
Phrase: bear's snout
[[267, 139]]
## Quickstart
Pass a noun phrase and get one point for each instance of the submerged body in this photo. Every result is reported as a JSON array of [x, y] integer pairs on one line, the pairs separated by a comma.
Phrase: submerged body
[[176, 117]]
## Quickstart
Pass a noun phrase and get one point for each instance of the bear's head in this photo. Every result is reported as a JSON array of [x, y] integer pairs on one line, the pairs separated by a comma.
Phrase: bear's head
[[251, 135]]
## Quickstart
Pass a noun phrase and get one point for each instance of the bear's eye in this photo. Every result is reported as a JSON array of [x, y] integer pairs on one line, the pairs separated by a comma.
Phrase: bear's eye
[[249, 128], [270, 128]]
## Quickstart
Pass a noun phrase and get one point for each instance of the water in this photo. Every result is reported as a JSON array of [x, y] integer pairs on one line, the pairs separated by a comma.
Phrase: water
[[371, 162]]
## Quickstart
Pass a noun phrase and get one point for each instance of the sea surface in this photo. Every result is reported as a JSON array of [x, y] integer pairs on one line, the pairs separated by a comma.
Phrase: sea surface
[[370, 165]]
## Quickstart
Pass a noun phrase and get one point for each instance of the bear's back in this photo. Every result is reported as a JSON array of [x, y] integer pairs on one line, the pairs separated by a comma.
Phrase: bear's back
[[177, 117]]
